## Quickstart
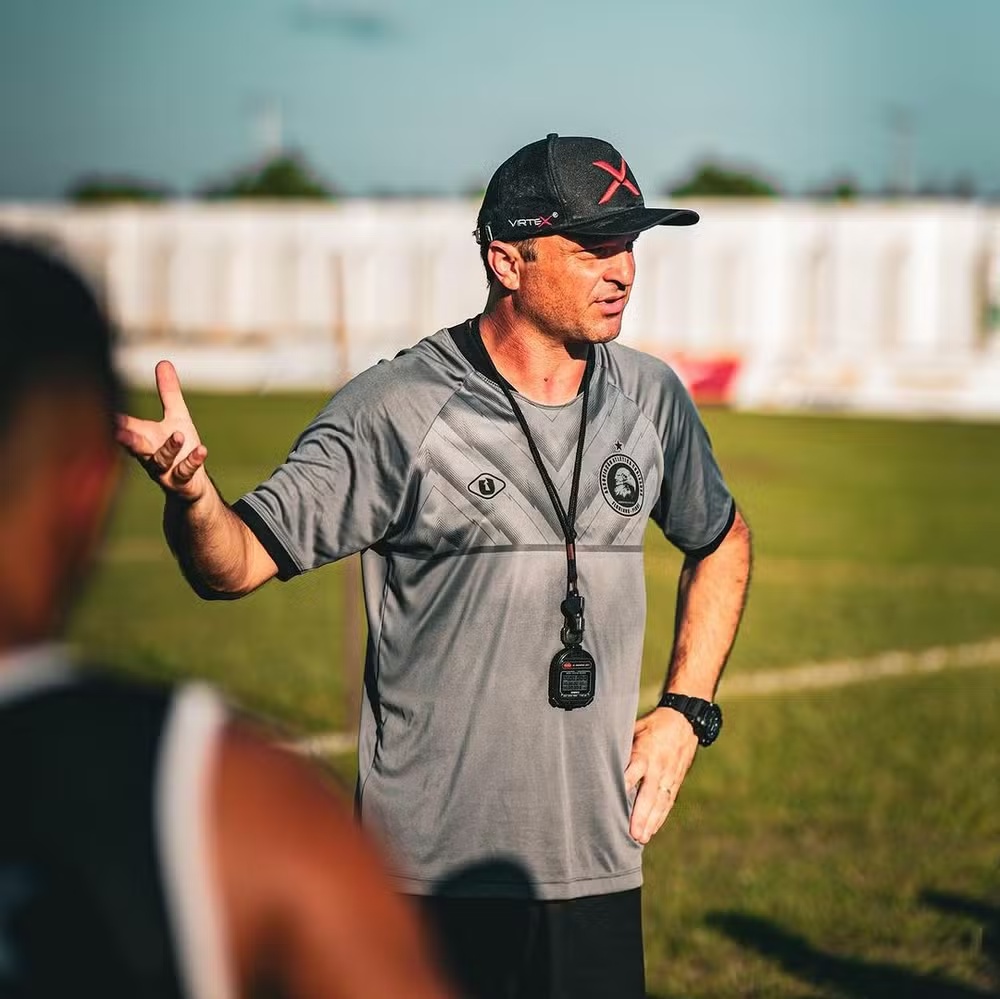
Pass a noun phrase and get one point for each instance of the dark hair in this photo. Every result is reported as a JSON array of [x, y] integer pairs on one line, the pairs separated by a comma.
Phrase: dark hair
[[53, 330], [526, 247]]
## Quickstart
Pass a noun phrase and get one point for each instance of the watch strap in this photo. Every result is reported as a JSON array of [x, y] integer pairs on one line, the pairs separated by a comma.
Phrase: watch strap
[[684, 703], [697, 711]]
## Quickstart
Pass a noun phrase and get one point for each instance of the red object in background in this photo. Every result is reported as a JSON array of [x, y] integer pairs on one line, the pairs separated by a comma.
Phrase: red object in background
[[710, 380]]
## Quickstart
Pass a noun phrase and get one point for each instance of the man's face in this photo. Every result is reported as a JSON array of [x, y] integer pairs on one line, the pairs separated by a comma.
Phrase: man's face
[[577, 289]]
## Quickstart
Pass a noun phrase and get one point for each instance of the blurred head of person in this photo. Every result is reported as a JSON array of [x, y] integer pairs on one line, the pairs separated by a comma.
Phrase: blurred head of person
[[59, 464]]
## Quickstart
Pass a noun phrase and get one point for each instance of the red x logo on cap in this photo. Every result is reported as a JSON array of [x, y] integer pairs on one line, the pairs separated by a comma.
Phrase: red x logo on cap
[[620, 180]]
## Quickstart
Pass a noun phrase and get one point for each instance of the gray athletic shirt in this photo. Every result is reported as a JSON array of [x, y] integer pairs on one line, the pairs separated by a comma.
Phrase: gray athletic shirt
[[478, 785]]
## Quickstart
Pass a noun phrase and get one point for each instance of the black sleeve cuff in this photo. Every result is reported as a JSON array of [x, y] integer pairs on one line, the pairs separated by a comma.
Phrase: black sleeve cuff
[[286, 567], [705, 550]]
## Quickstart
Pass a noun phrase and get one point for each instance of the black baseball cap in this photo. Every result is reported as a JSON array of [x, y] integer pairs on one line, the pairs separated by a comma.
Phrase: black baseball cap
[[572, 185]]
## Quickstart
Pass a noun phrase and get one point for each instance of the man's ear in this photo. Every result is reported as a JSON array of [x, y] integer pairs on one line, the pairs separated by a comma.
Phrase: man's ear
[[88, 483], [505, 263]]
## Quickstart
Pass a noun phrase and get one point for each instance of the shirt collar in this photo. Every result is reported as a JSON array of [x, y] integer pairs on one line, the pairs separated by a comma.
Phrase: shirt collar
[[31, 669]]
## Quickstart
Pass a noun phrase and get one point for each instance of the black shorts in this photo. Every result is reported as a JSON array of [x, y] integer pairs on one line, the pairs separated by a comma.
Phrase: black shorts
[[582, 948]]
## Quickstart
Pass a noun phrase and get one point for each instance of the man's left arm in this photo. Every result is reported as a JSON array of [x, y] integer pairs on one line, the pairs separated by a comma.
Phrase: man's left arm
[[711, 594]]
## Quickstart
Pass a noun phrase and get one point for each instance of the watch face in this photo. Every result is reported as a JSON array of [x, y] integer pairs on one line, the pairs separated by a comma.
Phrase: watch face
[[709, 724]]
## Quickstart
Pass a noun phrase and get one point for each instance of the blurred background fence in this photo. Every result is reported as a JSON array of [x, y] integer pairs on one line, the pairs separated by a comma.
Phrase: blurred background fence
[[868, 306]]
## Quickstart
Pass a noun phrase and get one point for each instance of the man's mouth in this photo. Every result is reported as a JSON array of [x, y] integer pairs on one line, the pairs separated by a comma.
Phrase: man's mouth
[[612, 306]]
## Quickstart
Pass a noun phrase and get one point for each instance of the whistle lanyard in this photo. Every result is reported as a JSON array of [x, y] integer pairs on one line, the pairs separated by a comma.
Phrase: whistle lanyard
[[567, 517]]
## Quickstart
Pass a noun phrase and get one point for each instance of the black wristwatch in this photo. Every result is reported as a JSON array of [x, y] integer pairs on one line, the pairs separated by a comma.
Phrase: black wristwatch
[[705, 716]]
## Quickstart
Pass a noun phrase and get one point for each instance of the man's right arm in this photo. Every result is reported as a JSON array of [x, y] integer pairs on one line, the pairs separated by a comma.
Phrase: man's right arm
[[218, 554]]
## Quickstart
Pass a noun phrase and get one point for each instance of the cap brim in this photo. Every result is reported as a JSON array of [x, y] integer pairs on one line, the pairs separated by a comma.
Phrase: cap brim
[[632, 220]]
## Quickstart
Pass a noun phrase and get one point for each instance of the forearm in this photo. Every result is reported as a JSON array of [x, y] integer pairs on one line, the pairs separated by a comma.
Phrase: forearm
[[710, 597], [214, 548]]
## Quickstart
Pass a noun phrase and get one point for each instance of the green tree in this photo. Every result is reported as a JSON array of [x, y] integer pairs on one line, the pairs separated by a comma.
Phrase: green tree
[[102, 190], [843, 188], [713, 180], [286, 175]]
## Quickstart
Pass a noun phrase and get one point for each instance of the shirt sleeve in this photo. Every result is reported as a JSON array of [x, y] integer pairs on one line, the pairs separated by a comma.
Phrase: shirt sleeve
[[695, 508], [340, 487]]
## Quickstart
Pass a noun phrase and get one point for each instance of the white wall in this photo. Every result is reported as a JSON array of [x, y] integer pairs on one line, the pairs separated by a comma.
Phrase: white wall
[[879, 307]]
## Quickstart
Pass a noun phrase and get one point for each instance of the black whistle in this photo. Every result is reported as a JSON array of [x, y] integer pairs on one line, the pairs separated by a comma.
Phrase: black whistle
[[572, 610]]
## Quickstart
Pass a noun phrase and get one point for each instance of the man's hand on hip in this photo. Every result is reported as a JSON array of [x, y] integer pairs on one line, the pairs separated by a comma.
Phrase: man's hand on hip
[[663, 748]]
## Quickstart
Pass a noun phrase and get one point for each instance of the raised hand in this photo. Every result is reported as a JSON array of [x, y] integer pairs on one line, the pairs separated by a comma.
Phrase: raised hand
[[170, 449]]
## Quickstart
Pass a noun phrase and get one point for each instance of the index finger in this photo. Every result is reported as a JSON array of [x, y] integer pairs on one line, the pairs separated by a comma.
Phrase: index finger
[[128, 433], [652, 804], [168, 385], [635, 771]]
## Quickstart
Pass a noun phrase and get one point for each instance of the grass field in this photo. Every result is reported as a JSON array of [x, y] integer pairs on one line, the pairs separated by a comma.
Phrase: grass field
[[841, 842]]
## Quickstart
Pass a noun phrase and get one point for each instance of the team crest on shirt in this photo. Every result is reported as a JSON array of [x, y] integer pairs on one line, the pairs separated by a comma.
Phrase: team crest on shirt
[[622, 485], [486, 485]]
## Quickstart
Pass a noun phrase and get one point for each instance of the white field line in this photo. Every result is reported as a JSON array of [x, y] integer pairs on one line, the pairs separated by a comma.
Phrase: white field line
[[808, 676], [326, 744], [841, 672]]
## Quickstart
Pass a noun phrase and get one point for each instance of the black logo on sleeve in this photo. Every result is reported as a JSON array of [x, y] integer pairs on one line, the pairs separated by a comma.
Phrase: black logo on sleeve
[[486, 485], [621, 483]]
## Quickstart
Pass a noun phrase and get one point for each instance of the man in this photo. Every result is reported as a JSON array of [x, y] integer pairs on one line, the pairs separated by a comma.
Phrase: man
[[149, 846], [498, 478]]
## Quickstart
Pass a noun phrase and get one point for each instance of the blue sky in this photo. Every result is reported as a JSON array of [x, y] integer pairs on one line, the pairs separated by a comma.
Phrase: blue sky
[[429, 95]]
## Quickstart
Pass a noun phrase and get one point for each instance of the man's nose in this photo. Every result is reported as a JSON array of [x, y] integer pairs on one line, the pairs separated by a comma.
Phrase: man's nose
[[621, 269]]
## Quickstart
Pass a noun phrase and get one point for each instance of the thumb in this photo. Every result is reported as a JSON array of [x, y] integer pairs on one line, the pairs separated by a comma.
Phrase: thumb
[[168, 385], [634, 772]]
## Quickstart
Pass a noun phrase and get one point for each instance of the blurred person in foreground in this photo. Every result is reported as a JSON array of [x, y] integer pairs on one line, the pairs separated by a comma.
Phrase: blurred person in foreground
[[150, 846], [498, 478]]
